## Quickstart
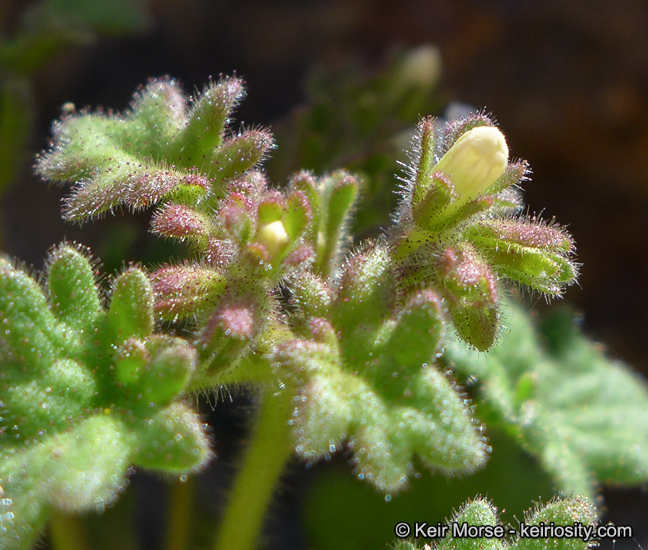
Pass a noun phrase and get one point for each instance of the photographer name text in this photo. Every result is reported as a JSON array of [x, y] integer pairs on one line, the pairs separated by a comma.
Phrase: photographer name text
[[524, 531]]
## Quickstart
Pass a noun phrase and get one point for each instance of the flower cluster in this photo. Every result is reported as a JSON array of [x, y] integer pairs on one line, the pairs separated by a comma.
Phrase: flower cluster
[[271, 295], [459, 229]]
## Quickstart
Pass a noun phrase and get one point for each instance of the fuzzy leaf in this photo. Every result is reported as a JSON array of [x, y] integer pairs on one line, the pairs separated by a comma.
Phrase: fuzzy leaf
[[585, 417], [159, 150], [476, 512], [79, 386], [203, 130], [358, 382]]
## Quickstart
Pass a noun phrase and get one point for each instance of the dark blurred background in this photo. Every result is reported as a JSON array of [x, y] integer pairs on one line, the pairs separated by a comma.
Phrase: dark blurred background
[[567, 82]]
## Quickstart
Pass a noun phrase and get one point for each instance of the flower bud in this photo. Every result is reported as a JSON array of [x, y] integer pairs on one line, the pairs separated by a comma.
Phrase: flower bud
[[470, 288], [228, 333], [184, 291], [273, 237], [475, 162]]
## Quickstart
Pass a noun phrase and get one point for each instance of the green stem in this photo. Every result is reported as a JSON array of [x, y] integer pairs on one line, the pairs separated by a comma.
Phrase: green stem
[[180, 513], [66, 532], [267, 454]]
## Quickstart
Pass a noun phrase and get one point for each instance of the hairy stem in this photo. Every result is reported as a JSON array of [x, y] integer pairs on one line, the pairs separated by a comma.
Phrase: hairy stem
[[269, 449]]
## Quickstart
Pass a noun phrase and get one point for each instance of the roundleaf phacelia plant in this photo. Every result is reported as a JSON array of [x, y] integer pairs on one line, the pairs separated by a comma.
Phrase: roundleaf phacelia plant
[[345, 342]]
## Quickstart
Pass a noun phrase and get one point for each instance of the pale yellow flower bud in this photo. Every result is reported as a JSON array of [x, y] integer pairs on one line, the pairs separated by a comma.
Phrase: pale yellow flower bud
[[273, 237], [475, 161]]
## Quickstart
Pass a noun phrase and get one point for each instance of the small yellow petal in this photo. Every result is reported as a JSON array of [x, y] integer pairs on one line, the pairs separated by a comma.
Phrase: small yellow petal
[[475, 161], [273, 237]]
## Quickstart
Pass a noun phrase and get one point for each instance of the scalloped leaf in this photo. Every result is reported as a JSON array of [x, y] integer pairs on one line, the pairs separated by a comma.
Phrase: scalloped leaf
[[584, 416], [85, 393], [160, 149], [358, 383]]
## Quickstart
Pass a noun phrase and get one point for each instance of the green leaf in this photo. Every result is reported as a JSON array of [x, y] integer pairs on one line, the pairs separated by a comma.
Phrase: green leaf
[[356, 380], [565, 512], [582, 415], [474, 513], [72, 291], [131, 307], [158, 150], [84, 393]]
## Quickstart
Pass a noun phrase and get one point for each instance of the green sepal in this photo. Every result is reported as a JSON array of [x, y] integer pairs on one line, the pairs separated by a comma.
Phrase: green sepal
[[538, 270], [228, 333], [470, 288], [305, 183], [330, 200], [456, 128], [440, 193], [298, 215], [513, 174], [453, 217], [342, 196], [270, 211], [238, 219], [492, 234], [422, 156], [476, 325]]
